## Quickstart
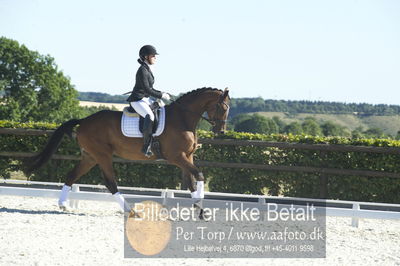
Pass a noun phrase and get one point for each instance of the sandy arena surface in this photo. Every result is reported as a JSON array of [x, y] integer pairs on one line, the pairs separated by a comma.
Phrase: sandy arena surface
[[34, 232]]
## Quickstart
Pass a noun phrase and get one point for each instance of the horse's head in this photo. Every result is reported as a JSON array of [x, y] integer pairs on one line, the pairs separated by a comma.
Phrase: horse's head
[[218, 112]]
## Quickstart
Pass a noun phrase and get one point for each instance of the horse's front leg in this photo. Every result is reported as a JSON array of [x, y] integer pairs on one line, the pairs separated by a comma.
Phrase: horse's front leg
[[188, 181], [194, 180]]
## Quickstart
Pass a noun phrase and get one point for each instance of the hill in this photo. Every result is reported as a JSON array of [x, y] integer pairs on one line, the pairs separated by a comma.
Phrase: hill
[[101, 97], [389, 124], [348, 115], [248, 105]]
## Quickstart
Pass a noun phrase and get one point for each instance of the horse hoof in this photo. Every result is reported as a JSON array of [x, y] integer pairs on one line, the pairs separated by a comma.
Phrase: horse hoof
[[120, 212], [65, 207], [203, 216]]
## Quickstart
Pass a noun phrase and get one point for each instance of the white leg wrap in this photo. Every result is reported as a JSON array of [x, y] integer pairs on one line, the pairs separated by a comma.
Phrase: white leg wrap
[[200, 189], [62, 201], [199, 193], [121, 201]]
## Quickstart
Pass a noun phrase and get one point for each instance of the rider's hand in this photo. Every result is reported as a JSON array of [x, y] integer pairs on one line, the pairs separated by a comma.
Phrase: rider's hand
[[166, 96]]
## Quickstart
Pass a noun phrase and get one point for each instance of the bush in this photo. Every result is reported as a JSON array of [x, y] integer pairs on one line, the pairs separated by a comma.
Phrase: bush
[[257, 124], [235, 180], [56, 170], [303, 184]]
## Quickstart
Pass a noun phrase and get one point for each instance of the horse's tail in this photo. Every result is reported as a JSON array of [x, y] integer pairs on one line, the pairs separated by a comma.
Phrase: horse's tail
[[52, 145]]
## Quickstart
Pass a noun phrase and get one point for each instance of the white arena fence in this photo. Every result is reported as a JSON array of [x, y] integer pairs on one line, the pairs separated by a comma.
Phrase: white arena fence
[[336, 208]]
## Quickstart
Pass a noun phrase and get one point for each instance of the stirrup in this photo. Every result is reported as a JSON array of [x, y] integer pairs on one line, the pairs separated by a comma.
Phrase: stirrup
[[147, 147], [148, 152]]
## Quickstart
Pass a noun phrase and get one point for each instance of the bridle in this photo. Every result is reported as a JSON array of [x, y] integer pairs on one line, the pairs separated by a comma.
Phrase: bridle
[[218, 107]]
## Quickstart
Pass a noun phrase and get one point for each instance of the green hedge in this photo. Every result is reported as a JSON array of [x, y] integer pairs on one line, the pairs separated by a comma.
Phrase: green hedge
[[55, 170], [235, 180], [303, 184]]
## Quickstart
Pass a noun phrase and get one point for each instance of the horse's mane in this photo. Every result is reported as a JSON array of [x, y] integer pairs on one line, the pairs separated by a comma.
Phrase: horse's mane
[[193, 93]]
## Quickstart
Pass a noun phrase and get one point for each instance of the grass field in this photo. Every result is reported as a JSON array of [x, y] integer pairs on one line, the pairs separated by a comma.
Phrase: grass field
[[389, 124], [118, 106]]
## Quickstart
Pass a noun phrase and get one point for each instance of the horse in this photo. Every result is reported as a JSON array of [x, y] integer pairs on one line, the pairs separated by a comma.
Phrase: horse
[[99, 137]]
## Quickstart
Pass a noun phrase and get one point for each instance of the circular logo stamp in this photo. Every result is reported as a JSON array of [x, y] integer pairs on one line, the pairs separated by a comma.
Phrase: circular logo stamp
[[147, 228]]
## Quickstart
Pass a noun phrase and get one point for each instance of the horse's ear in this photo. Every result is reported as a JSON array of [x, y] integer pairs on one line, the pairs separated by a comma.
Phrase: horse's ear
[[225, 94]]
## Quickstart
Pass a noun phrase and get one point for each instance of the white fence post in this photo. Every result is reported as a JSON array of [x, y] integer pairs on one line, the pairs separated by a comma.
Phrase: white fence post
[[75, 203], [355, 219], [262, 202], [165, 194], [164, 197]]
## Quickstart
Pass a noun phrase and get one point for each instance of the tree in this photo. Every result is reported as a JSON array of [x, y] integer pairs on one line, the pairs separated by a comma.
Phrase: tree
[[101, 97], [398, 135], [239, 118], [32, 87], [294, 128], [281, 125], [311, 127], [331, 129], [357, 133], [257, 124], [243, 105], [204, 125], [374, 133]]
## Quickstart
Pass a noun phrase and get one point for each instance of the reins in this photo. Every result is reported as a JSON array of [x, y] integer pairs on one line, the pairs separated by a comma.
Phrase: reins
[[219, 107], [212, 122]]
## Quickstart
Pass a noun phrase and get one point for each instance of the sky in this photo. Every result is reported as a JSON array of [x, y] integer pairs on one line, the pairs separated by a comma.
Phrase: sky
[[332, 50]]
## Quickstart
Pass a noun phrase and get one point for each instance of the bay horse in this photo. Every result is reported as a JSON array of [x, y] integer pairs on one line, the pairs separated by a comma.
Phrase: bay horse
[[99, 137]]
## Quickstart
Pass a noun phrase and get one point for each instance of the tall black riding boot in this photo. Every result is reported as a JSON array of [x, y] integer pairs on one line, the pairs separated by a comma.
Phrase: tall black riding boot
[[147, 136]]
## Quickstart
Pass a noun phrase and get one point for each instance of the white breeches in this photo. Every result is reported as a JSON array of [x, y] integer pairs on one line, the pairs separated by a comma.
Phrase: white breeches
[[142, 107]]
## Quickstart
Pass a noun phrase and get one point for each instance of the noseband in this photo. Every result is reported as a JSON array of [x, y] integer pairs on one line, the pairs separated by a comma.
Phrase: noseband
[[219, 108]]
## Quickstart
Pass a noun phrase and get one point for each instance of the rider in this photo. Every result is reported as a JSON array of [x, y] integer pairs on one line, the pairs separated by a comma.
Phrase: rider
[[139, 98]]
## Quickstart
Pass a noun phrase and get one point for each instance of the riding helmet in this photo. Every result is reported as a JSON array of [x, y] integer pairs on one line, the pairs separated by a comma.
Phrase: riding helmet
[[147, 50]]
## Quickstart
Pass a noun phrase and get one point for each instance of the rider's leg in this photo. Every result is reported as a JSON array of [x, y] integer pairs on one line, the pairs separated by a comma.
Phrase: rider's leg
[[143, 109], [147, 136]]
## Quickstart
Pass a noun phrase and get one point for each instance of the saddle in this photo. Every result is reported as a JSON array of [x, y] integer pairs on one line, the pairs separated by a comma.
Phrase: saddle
[[155, 107]]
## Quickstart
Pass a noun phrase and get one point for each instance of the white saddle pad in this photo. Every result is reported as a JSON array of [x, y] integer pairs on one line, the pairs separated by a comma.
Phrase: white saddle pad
[[130, 125]]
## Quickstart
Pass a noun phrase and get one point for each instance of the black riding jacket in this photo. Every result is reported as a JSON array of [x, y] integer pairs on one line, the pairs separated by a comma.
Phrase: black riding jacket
[[144, 85]]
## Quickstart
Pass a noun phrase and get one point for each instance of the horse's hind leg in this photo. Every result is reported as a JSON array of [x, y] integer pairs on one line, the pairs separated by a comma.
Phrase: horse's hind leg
[[86, 163], [105, 163]]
